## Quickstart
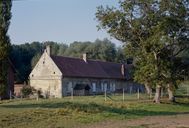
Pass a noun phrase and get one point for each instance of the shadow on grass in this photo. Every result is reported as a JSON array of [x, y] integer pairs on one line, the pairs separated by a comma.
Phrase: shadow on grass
[[94, 108], [180, 103]]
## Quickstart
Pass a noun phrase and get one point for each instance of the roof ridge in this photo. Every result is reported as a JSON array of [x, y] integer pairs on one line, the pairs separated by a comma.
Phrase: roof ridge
[[88, 59], [66, 57], [76, 67]]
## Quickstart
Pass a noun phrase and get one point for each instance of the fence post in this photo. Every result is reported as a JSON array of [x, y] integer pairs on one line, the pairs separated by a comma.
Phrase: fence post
[[138, 96], [21, 95], [10, 95], [105, 94], [123, 94], [37, 97], [151, 94], [72, 94]]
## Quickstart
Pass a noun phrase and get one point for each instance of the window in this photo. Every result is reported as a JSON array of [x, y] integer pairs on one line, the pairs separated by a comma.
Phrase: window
[[94, 87], [108, 87], [112, 87], [105, 86], [69, 86], [102, 87]]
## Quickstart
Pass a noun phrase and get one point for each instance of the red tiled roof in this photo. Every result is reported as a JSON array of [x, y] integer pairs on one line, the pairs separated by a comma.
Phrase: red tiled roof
[[75, 67]]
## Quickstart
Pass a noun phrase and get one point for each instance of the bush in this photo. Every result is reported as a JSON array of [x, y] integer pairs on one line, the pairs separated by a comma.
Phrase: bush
[[27, 91], [39, 93]]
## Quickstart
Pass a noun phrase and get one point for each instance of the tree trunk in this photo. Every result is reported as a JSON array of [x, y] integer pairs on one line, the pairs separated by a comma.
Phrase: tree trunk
[[158, 94], [148, 89], [170, 93]]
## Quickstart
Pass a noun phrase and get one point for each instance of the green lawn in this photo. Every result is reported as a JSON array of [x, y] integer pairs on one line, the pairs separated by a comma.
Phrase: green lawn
[[68, 113]]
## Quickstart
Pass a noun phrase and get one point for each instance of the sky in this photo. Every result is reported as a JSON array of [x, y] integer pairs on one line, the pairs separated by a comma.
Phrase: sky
[[62, 21]]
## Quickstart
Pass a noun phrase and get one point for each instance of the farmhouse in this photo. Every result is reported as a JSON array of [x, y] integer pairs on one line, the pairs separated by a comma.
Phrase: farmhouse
[[58, 76]]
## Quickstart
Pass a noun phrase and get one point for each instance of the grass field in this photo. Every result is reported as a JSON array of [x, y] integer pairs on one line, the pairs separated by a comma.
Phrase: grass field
[[81, 111]]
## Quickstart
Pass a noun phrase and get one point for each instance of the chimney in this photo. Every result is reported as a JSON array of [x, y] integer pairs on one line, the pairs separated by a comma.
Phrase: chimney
[[85, 57], [123, 70], [48, 49]]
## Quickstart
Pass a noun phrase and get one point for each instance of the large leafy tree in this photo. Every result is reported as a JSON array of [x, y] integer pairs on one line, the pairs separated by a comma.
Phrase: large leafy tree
[[5, 16], [21, 55], [155, 32]]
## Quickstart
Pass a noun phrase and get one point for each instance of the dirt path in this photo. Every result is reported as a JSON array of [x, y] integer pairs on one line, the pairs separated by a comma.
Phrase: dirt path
[[176, 121]]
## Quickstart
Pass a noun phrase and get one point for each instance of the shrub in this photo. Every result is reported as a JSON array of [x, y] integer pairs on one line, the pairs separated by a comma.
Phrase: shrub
[[27, 91], [39, 93]]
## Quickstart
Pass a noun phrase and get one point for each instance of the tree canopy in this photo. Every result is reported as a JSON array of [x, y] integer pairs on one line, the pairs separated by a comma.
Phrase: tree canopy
[[154, 32], [5, 16]]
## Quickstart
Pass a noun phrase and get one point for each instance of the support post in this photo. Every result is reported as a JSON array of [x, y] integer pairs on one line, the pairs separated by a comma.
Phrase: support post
[[123, 94], [21, 95], [151, 94], [131, 89], [37, 97], [10, 95], [72, 94], [105, 94], [138, 96]]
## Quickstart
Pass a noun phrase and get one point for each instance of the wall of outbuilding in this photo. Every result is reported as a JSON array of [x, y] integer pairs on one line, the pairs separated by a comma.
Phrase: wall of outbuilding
[[46, 77], [112, 85], [49, 87]]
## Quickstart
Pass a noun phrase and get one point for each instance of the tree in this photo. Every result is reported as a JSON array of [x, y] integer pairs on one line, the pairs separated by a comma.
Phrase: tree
[[76, 49], [35, 59], [154, 33], [21, 55], [120, 57], [102, 50], [5, 16], [62, 49]]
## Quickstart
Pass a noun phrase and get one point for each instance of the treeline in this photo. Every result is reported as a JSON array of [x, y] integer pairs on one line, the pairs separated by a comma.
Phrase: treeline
[[25, 56]]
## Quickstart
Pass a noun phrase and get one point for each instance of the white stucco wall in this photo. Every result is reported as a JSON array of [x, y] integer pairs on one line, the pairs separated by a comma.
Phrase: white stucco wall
[[47, 77]]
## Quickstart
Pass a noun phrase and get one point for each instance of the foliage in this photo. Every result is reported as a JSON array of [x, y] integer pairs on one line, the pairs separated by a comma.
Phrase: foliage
[[100, 49], [154, 33], [3, 78], [5, 16], [35, 59], [183, 89], [27, 91]]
